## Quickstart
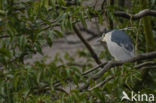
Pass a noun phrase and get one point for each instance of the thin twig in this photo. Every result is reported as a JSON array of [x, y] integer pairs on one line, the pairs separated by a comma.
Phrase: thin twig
[[95, 68], [101, 83], [62, 90], [145, 64], [103, 3]]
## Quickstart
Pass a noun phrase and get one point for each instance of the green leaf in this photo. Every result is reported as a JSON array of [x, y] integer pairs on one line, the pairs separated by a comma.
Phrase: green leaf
[[39, 49], [50, 37], [2, 12], [46, 4], [44, 19], [36, 7], [82, 19], [58, 33], [100, 18], [38, 77], [70, 24], [4, 52], [22, 42]]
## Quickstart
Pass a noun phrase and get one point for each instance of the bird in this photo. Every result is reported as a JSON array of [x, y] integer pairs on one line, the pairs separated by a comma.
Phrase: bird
[[119, 44]]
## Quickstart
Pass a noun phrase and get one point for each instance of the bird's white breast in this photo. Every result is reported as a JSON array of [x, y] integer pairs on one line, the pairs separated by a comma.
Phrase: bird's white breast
[[115, 50]]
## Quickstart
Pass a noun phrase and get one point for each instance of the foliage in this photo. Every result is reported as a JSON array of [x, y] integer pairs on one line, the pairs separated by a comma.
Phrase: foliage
[[27, 25]]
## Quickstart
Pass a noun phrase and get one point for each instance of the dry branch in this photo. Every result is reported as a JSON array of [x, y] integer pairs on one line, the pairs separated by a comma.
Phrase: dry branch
[[87, 45], [145, 64], [95, 68], [111, 64], [101, 83], [145, 12]]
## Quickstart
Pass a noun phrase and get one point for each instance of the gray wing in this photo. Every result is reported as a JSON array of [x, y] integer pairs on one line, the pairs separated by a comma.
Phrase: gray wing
[[122, 39]]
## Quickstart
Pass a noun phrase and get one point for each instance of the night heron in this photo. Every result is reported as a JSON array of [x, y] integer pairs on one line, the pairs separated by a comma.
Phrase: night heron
[[119, 44]]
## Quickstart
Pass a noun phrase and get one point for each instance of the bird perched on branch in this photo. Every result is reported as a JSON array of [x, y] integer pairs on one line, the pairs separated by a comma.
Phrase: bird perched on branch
[[119, 44]]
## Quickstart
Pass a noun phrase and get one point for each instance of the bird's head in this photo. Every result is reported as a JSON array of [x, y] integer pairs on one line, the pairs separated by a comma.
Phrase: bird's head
[[103, 37]]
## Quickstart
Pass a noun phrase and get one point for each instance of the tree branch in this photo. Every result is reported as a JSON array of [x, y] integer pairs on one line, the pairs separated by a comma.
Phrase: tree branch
[[4, 36], [101, 83], [145, 12], [97, 60], [145, 64], [111, 64], [95, 68], [103, 3]]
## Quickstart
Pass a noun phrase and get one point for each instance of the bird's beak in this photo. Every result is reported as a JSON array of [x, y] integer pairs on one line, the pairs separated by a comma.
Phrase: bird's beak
[[99, 39]]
